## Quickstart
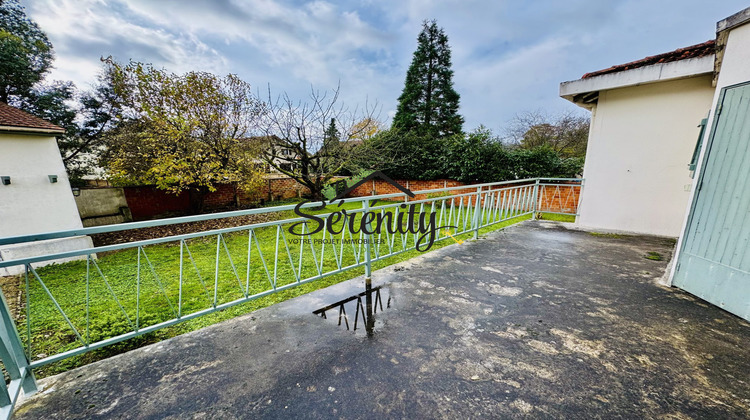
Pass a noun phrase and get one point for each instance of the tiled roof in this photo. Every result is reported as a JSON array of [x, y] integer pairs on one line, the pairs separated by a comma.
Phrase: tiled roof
[[693, 51], [14, 117]]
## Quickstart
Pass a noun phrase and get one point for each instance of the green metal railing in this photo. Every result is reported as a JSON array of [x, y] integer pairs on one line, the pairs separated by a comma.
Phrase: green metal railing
[[117, 292]]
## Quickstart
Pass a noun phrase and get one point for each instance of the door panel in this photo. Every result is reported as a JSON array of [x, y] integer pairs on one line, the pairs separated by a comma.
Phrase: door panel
[[714, 262]]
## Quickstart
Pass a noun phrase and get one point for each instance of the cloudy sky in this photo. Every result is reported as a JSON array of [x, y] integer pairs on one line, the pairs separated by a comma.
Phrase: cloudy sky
[[509, 56]]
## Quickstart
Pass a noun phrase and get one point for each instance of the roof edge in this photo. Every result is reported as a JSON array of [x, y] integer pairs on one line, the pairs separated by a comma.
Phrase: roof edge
[[31, 130], [661, 72], [684, 53], [740, 18]]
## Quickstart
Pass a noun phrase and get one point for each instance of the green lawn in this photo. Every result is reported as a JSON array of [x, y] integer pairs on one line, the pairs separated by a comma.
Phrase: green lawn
[[567, 218], [160, 293]]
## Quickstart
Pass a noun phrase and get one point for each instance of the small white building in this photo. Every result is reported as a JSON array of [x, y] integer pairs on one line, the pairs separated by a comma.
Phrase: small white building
[[652, 118], [35, 194], [645, 118]]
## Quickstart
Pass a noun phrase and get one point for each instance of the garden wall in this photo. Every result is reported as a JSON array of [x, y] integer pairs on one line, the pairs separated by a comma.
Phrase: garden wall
[[149, 202], [561, 198]]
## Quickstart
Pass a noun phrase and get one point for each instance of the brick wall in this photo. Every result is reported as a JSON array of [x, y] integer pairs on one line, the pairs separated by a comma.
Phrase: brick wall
[[282, 188], [379, 187], [559, 199], [226, 195], [148, 202]]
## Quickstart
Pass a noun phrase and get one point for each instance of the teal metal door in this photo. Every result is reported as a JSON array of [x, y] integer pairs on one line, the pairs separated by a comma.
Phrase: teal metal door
[[714, 261]]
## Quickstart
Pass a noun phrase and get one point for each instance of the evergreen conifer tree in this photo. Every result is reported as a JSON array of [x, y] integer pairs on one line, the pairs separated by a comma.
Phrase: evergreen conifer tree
[[428, 105]]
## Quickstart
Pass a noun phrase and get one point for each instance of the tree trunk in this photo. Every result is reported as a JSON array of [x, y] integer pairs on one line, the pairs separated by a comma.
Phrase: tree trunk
[[316, 192], [315, 187], [197, 199], [236, 196]]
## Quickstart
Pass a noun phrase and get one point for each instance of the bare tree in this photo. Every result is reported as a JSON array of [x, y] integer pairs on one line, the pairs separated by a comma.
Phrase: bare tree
[[313, 141], [566, 134]]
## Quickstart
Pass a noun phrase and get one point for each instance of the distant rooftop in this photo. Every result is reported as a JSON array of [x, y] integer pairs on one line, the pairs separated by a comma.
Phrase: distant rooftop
[[694, 51], [13, 118]]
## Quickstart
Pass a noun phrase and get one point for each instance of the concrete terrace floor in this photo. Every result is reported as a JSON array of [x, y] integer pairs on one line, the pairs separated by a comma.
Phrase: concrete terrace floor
[[535, 320]]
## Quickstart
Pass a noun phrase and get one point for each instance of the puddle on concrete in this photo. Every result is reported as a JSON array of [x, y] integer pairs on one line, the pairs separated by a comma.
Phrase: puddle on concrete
[[357, 313]]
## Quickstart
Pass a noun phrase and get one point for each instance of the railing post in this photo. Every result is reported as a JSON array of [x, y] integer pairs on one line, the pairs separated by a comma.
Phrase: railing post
[[369, 315], [477, 215], [367, 236], [536, 198], [15, 361]]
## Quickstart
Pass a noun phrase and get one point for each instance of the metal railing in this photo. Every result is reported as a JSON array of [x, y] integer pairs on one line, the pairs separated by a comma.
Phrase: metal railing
[[117, 292]]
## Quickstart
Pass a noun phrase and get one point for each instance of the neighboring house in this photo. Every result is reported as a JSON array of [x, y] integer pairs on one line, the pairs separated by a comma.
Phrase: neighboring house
[[643, 137], [285, 156], [35, 194]]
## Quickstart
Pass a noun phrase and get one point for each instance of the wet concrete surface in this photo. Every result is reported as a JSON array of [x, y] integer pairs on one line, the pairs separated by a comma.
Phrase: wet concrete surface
[[533, 321]]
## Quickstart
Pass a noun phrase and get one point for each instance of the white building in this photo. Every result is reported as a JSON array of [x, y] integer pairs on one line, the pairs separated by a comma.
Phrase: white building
[[645, 131], [644, 127], [35, 194]]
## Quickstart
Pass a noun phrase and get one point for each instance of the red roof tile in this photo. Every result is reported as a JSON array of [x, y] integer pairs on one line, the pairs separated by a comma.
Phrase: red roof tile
[[14, 117], [693, 51]]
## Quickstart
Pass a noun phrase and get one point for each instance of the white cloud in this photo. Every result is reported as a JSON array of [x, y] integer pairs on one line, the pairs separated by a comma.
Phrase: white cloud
[[84, 31], [508, 56], [518, 77]]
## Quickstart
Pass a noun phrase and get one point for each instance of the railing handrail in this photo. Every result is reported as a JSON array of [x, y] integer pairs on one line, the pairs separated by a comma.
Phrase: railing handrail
[[172, 238], [12, 240]]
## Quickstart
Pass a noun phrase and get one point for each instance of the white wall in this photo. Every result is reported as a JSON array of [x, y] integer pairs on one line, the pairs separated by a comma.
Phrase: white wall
[[31, 204], [735, 66], [640, 143]]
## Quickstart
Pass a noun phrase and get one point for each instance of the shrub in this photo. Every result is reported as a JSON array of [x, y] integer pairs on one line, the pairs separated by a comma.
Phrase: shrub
[[474, 157]]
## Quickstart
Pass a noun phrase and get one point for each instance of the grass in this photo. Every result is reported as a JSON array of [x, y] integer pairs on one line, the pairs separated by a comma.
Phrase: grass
[[654, 256], [159, 288], [567, 218]]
